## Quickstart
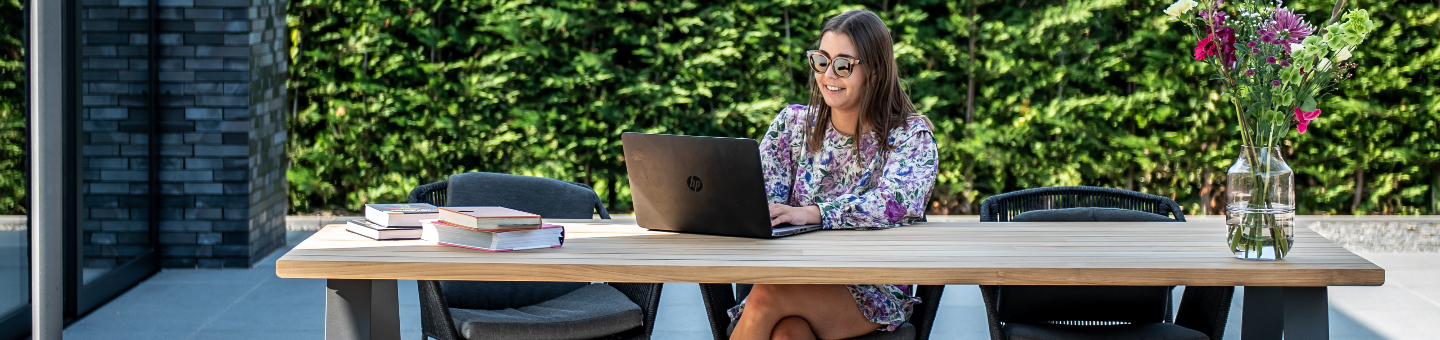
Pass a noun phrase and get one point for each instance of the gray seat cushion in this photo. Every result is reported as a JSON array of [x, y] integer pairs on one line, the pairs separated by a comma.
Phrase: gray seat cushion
[[1089, 215], [905, 332], [594, 311], [1149, 331]]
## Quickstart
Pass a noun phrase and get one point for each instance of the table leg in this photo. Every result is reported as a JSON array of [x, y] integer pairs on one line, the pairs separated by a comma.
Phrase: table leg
[[361, 310], [1307, 313], [1291, 312]]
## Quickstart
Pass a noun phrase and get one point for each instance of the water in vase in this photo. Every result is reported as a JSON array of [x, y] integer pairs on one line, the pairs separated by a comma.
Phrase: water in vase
[[1260, 233]]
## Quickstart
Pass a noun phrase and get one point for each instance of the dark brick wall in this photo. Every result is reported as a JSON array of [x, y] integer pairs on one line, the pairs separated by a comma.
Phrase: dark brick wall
[[222, 122]]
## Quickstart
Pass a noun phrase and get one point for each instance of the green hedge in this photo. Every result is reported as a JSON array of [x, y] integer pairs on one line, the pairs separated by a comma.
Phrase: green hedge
[[392, 94], [1096, 92]]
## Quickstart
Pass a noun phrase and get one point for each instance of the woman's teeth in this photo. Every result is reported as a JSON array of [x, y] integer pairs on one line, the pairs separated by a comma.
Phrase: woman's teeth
[[831, 88]]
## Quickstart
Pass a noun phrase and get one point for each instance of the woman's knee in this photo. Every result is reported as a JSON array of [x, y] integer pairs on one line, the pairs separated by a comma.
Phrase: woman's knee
[[792, 328], [765, 298]]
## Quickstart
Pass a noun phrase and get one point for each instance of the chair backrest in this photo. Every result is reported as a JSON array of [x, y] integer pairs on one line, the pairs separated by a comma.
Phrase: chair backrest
[[549, 198], [1081, 304], [1003, 207]]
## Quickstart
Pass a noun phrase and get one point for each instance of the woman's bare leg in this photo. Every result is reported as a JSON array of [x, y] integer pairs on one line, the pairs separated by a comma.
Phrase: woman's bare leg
[[792, 328], [828, 309]]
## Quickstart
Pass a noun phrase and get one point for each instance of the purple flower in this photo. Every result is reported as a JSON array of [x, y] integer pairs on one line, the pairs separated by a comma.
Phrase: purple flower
[[1227, 45], [1250, 72], [1287, 28], [1255, 50], [1270, 59], [894, 211], [1252, 44], [1213, 17], [1284, 63], [796, 107], [1274, 83]]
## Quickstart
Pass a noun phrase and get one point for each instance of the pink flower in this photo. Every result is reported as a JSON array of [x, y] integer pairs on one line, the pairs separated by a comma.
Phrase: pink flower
[[1221, 41], [1304, 118], [1203, 49]]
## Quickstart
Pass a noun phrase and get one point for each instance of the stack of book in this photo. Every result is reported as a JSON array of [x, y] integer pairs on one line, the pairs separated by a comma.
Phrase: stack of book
[[491, 229], [399, 221]]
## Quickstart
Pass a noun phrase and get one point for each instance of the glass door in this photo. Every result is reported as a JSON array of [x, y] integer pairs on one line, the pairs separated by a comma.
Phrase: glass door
[[113, 244]]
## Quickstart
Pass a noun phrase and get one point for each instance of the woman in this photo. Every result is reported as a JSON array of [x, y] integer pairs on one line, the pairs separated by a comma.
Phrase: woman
[[824, 164]]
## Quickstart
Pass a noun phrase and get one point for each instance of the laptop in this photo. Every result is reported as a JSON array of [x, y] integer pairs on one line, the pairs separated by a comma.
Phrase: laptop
[[703, 185]]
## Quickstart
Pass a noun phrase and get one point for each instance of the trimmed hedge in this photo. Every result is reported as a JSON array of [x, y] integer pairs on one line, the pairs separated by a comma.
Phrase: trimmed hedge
[[388, 95], [392, 94]]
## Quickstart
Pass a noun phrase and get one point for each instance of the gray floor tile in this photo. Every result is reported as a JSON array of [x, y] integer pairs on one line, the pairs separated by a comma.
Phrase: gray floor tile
[[111, 334], [1415, 278], [681, 294], [681, 309], [206, 294], [409, 292], [678, 335], [960, 336], [231, 276], [146, 317], [287, 292], [257, 335], [961, 296], [1383, 298], [270, 317]]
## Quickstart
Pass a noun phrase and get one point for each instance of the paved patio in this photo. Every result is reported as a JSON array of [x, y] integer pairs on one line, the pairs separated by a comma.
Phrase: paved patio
[[255, 304]]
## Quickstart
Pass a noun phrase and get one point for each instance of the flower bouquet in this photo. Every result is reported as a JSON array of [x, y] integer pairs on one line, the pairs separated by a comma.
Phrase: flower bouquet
[[1275, 66]]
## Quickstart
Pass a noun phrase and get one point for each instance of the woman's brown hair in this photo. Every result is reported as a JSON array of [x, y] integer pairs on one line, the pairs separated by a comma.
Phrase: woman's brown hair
[[884, 105]]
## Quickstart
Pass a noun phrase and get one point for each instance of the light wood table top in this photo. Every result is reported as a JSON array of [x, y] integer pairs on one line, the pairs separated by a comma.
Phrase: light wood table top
[[1010, 253]]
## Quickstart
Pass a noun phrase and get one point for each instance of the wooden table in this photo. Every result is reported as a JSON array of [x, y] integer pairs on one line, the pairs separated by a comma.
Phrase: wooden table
[[361, 299]]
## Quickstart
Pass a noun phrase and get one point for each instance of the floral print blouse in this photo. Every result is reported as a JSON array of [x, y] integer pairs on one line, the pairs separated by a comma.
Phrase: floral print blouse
[[870, 193]]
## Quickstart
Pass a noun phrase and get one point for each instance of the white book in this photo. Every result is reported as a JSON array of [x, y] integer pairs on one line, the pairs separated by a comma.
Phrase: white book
[[378, 232], [400, 214]]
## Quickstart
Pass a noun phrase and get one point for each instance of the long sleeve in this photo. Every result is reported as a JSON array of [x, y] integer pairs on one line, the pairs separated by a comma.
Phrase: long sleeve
[[777, 148], [901, 193]]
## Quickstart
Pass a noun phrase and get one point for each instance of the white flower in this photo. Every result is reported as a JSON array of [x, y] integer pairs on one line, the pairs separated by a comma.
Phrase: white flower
[[1324, 65], [1344, 53], [1296, 48], [1180, 7]]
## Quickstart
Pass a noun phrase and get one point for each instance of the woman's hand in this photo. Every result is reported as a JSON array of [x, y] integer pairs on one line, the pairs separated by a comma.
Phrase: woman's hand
[[784, 214]]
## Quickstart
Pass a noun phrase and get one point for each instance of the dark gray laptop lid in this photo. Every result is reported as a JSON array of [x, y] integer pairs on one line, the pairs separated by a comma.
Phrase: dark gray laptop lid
[[708, 185]]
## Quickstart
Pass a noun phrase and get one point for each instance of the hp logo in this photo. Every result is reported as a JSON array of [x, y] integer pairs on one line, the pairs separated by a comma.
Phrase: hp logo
[[694, 183]]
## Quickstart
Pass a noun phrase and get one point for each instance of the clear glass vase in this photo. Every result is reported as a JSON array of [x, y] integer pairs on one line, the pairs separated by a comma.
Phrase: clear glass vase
[[1260, 205]]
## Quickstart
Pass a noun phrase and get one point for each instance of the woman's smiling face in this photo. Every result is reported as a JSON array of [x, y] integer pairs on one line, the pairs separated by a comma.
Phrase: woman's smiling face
[[841, 94]]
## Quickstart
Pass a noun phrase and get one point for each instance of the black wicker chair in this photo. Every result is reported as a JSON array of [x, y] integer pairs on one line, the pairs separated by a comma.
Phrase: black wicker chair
[[719, 297], [436, 321], [1002, 207], [1066, 308]]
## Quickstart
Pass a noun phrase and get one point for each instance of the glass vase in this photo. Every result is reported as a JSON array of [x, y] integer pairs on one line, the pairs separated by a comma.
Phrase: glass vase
[[1260, 205]]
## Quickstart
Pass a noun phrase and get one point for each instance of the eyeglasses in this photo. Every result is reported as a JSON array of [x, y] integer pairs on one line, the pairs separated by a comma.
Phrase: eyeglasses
[[819, 62]]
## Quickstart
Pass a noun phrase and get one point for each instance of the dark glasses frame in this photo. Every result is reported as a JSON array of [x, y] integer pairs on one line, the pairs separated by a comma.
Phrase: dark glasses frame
[[821, 66]]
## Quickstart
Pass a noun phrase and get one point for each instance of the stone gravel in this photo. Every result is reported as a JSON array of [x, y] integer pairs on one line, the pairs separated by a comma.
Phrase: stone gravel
[[1382, 236]]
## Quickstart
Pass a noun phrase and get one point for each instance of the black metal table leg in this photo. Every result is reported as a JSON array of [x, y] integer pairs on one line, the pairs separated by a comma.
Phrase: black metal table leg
[[1307, 313], [361, 310], [1290, 312]]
